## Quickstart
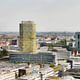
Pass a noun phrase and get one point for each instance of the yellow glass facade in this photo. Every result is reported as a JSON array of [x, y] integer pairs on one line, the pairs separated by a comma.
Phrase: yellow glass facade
[[28, 36]]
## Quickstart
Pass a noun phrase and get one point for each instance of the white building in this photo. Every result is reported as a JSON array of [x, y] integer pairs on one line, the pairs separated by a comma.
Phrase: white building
[[36, 75], [7, 75], [76, 61], [71, 44], [8, 70]]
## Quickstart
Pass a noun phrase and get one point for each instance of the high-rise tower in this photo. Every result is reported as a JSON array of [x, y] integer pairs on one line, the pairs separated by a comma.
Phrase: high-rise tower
[[27, 36], [77, 36]]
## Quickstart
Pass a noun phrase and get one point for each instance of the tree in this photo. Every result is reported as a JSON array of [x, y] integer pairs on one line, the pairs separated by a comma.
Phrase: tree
[[62, 42], [71, 39], [4, 52], [28, 63], [1, 54], [52, 65], [40, 65], [16, 76], [21, 74], [50, 47]]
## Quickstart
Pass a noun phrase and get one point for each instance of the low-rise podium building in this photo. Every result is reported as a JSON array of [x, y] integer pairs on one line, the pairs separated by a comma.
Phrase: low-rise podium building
[[45, 57]]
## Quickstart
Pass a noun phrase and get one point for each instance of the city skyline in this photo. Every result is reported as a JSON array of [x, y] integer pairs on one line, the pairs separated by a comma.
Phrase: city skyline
[[49, 15]]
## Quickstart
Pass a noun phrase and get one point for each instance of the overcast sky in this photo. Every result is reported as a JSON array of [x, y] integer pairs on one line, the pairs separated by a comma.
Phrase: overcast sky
[[49, 15]]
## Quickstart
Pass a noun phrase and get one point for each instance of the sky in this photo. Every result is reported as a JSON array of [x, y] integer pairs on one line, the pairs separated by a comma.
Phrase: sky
[[48, 15]]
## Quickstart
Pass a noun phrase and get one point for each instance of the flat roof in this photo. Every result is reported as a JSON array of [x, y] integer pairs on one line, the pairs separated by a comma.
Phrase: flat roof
[[35, 53]]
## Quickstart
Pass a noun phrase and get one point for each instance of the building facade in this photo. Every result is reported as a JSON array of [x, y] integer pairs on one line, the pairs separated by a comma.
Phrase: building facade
[[44, 57], [77, 37], [27, 36], [37, 75]]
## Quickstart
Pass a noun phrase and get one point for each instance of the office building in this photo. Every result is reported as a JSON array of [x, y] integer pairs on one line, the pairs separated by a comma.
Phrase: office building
[[77, 38], [44, 57], [27, 36]]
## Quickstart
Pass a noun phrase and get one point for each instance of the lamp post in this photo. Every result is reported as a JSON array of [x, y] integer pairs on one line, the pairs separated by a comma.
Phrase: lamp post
[[41, 76]]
